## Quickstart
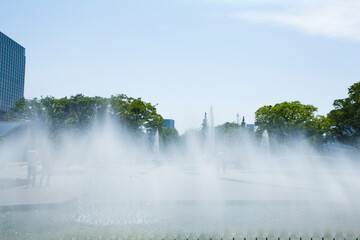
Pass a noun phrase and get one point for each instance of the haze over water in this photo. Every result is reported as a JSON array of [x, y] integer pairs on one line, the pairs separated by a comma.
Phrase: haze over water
[[124, 185]]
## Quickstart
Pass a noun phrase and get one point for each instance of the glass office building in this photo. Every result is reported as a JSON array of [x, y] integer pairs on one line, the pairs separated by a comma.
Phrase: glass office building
[[12, 72], [169, 123]]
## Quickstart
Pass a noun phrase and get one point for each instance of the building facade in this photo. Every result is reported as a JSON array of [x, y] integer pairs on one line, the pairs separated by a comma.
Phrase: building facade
[[169, 123], [251, 127], [12, 72]]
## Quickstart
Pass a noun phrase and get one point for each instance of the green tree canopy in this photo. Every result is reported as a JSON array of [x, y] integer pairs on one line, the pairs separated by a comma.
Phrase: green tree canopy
[[228, 132], [26, 110], [75, 112], [344, 120], [204, 126], [243, 123], [79, 111], [136, 114], [287, 120], [169, 136]]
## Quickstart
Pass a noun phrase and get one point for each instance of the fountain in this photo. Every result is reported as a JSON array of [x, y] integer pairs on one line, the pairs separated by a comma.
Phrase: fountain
[[128, 196], [211, 135], [265, 142], [156, 146]]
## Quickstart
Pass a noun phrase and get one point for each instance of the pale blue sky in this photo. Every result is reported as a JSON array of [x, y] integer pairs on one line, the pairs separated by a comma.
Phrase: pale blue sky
[[186, 55]]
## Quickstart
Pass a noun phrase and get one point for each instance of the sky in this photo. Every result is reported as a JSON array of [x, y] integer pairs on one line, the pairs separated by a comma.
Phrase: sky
[[189, 55]]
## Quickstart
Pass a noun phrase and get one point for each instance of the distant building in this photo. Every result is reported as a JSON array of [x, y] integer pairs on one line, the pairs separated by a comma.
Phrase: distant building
[[169, 123], [8, 128], [12, 73], [251, 127]]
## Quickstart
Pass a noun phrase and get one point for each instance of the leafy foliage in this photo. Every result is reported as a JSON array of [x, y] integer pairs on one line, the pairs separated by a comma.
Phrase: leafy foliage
[[169, 136], [136, 114], [228, 132], [78, 112], [231, 133], [204, 126], [344, 120], [287, 120], [243, 123], [25, 109]]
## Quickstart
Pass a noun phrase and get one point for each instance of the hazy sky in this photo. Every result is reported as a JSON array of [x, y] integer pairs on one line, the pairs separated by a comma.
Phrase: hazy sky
[[185, 55]]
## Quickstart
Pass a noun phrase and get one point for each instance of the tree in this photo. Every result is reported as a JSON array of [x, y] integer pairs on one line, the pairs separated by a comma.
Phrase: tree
[[169, 136], [228, 132], [344, 120], [136, 114], [83, 110], [26, 110], [243, 124], [288, 120], [78, 112], [74, 113], [204, 127]]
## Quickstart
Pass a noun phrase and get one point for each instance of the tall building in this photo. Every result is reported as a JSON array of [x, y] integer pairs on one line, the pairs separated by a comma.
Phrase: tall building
[[12, 73], [251, 127], [169, 123]]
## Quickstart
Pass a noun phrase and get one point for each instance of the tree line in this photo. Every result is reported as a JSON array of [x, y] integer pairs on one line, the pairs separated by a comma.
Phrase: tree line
[[284, 122], [78, 112], [287, 121]]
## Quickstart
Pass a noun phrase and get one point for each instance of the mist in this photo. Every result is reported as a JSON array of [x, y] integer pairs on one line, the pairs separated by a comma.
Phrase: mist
[[107, 179]]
